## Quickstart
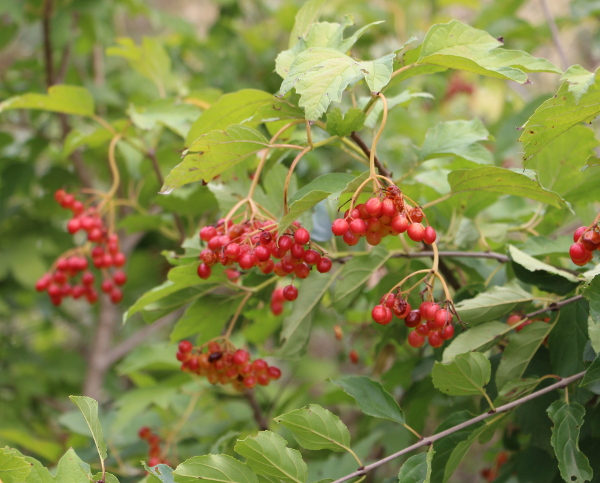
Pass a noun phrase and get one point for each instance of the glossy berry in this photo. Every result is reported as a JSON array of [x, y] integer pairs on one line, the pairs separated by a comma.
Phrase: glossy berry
[[324, 265], [302, 237], [145, 432], [447, 332], [204, 271], [430, 235], [412, 319], [339, 227], [435, 340], [373, 207], [442, 317], [353, 356], [120, 278], [380, 314], [415, 340], [416, 232], [358, 226], [578, 233], [116, 295], [290, 293], [312, 257], [285, 243]]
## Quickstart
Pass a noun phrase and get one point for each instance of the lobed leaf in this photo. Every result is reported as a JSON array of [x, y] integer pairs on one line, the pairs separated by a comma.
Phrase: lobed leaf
[[305, 17], [465, 375], [459, 138], [267, 454], [459, 46], [345, 125], [567, 418], [371, 397], [89, 409], [60, 98], [316, 428], [13, 467], [417, 468], [213, 467]]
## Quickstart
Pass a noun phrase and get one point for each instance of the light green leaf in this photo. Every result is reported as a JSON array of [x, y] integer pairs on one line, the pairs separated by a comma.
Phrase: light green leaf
[[521, 348], [31, 442], [401, 99], [320, 76], [372, 398], [316, 428], [459, 46], [579, 80], [358, 270], [214, 153], [307, 15], [573, 464], [218, 468], [150, 59], [267, 454], [71, 469], [178, 117], [492, 304], [13, 467], [459, 138], [417, 468], [230, 109], [109, 478], [504, 181], [39, 473], [89, 409], [464, 376], [344, 125], [592, 294], [317, 190], [558, 114], [591, 380], [475, 339], [61, 98], [296, 328]]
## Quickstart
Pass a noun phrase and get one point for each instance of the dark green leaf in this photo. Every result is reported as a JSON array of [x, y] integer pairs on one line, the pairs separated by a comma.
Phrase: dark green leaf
[[465, 375], [344, 125], [591, 380], [417, 468], [568, 338], [592, 295]]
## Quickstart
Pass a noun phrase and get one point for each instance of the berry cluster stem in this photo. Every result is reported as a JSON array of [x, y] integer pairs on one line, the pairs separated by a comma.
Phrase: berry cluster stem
[[237, 314]]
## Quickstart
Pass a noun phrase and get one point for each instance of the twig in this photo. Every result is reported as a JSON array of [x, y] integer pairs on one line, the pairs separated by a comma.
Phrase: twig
[[48, 59], [449, 253], [256, 410], [362, 145], [431, 439], [555, 35]]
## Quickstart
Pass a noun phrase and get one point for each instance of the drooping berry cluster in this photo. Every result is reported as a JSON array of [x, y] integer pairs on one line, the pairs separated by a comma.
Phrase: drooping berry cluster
[[380, 217], [587, 239], [519, 322], [280, 295], [221, 364], [154, 451], [70, 276], [430, 321]]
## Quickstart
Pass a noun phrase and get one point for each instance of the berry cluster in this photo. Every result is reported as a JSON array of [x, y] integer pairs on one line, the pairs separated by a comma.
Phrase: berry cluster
[[587, 239], [280, 295], [153, 440], [519, 323], [70, 276], [222, 364], [429, 320], [252, 244], [380, 217]]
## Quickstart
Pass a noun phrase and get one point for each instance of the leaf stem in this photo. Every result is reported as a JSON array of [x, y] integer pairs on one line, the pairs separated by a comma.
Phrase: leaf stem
[[237, 314]]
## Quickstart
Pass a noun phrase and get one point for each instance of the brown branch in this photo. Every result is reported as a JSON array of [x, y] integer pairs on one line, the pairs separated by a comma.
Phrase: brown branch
[[555, 35], [562, 383], [256, 410], [448, 253], [553, 307], [365, 149], [48, 59]]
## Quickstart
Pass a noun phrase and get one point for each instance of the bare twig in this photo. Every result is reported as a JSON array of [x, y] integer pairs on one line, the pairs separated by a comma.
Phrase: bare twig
[[256, 410], [555, 35], [362, 145], [562, 383]]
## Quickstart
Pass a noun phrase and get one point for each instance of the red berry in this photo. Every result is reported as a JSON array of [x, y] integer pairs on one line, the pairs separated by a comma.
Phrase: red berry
[[73, 225], [350, 238], [290, 293], [116, 295], [43, 283], [423, 309], [297, 251], [207, 233], [435, 340], [240, 357], [353, 355], [430, 311], [144, 432], [324, 265], [388, 208], [285, 243], [276, 308], [302, 237], [59, 195], [59, 277], [259, 366], [578, 253], [262, 253], [415, 340], [155, 460], [591, 240], [250, 381], [358, 226], [120, 278], [87, 278], [339, 227], [233, 250], [312, 257], [423, 330], [413, 318], [416, 215], [373, 207], [302, 270], [274, 372], [373, 239], [381, 314], [185, 346], [204, 271], [246, 261], [578, 233], [442, 318], [514, 319], [106, 286], [416, 232], [91, 296], [67, 200], [447, 332], [277, 295], [399, 224], [430, 235]]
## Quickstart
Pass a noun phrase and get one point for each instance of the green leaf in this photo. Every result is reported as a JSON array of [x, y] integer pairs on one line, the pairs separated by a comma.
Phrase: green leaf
[[164, 112], [214, 153], [465, 375], [296, 328], [504, 181], [213, 467], [459, 138], [592, 294], [516, 389], [402, 99], [71, 469], [493, 304], [344, 125], [521, 348], [358, 270], [417, 468], [567, 340], [547, 277], [206, 317], [307, 15], [323, 187], [39, 473], [572, 463], [31, 442], [230, 109], [320, 76], [316, 428], [150, 59], [558, 114], [579, 80], [13, 468], [459, 46], [267, 454], [61, 98], [475, 339], [591, 380], [89, 409], [372, 398]]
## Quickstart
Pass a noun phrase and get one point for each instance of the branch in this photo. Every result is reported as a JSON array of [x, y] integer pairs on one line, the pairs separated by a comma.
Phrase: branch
[[256, 410], [555, 37], [448, 253], [562, 383], [365, 149], [48, 59], [554, 306]]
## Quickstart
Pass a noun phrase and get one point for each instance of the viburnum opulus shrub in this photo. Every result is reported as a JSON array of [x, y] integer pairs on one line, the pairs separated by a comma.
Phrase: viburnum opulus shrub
[[441, 275]]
